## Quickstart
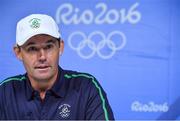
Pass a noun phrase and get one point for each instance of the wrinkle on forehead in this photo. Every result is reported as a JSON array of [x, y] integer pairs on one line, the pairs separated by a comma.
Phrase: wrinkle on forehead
[[40, 39]]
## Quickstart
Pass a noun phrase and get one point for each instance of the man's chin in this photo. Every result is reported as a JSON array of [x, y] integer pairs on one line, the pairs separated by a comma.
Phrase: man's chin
[[43, 78]]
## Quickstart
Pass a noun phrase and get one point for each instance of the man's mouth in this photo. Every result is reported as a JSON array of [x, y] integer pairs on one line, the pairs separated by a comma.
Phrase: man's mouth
[[42, 67]]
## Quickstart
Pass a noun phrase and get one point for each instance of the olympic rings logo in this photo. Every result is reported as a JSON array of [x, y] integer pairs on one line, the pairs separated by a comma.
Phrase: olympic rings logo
[[88, 42]]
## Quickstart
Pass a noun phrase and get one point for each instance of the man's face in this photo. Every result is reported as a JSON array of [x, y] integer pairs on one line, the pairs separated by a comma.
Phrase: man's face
[[40, 56]]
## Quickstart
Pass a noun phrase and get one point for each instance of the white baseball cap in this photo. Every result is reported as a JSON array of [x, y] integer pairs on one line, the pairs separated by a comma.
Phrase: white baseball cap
[[35, 24]]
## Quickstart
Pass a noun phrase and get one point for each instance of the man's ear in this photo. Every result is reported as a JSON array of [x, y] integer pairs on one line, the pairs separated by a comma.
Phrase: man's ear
[[61, 49], [17, 51]]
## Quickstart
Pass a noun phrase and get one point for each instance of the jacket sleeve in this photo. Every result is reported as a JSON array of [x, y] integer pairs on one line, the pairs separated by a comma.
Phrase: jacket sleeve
[[98, 107], [1, 104]]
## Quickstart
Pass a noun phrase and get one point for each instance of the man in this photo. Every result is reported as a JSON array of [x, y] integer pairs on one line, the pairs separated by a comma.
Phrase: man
[[46, 91]]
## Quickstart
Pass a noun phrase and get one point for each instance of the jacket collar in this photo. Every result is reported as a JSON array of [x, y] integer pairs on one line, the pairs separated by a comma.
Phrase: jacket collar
[[58, 89]]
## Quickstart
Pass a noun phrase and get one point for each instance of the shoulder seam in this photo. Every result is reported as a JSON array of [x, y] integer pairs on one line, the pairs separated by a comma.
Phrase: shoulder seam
[[68, 76], [12, 78]]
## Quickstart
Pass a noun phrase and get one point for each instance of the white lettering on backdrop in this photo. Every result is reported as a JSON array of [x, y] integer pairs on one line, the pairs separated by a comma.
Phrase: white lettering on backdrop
[[68, 14]]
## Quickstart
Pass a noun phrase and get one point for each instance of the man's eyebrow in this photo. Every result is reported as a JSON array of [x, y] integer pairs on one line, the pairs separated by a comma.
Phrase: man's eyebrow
[[30, 43]]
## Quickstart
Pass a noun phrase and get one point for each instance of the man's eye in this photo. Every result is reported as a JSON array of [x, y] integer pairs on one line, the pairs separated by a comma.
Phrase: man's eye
[[48, 47], [32, 49]]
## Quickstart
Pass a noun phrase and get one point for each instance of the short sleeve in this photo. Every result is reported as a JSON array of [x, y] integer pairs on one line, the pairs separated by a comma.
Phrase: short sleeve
[[98, 107], [1, 104]]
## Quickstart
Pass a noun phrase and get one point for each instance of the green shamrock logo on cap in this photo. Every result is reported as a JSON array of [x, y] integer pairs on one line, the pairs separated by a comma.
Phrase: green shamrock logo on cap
[[35, 23]]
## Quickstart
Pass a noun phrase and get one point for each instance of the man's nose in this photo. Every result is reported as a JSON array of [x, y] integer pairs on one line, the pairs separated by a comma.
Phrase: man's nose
[[42, 55]]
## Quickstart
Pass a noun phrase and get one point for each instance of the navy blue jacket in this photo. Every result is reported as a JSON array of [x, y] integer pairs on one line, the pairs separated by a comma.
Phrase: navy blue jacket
[[74, 96]]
